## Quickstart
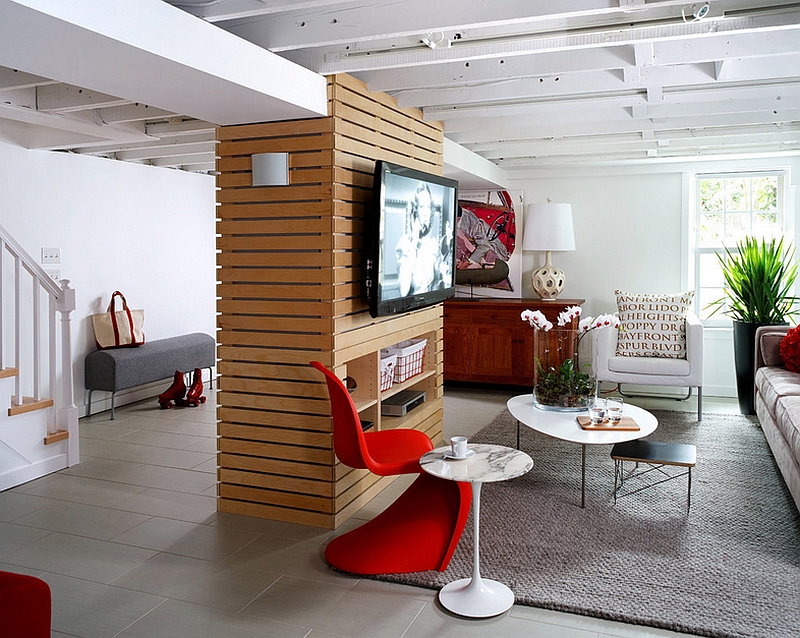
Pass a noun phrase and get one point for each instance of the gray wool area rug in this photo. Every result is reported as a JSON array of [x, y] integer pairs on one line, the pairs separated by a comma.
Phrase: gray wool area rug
[[728, 568]]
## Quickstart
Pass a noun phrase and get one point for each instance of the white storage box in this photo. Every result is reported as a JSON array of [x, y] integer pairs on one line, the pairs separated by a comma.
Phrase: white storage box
[[409, 358], [388, 363]]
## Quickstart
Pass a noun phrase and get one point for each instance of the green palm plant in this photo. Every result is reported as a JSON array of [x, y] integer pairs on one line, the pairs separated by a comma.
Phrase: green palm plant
[[758, 282]]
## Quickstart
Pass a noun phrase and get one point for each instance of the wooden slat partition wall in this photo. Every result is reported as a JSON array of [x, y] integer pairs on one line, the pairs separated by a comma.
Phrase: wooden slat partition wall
[[289, 292]]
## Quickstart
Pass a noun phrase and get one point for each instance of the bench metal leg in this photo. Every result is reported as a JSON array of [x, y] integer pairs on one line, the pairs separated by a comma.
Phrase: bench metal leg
[[89, 405], [112, 406]]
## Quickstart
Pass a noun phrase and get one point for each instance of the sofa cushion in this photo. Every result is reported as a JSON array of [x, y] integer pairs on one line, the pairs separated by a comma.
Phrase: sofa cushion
[[652, 325], [787, 420], [770, 349], [790, 349], [773, 383]]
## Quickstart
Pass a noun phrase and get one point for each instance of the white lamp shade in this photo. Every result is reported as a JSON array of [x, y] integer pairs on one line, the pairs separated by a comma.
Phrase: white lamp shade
[[548, 226]]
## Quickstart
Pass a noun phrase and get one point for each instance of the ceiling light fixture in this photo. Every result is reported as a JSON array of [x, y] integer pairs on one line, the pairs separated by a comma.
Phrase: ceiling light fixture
[[696, 12]]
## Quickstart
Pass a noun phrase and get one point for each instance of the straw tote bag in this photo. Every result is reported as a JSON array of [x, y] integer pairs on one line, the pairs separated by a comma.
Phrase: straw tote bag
[[118, 328]]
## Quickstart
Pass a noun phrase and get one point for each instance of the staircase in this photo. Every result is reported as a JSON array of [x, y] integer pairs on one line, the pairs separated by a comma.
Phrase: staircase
[[38, 416]]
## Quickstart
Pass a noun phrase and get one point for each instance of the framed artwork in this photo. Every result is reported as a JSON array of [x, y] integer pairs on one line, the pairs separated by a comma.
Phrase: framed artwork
[[488, 255]]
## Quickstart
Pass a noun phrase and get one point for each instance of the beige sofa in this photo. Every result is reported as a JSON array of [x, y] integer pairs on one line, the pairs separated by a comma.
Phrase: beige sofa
[[777, 402]]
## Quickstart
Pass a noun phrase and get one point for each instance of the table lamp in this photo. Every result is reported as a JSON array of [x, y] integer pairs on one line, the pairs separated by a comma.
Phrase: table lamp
[[548, 227]]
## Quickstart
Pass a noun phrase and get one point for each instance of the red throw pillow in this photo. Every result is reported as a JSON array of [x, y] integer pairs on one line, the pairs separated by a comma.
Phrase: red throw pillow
[[790, 349]]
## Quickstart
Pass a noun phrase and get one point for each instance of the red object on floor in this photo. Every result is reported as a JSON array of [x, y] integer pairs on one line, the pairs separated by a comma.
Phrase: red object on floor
[[420, 530], [24, 606], [175, 392]]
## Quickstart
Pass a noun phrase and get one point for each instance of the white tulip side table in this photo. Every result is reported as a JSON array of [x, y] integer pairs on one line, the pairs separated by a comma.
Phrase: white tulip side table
[[477, 597]]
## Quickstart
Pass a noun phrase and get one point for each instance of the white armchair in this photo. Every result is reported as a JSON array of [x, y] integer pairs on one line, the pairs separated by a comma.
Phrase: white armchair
[[682, 373]]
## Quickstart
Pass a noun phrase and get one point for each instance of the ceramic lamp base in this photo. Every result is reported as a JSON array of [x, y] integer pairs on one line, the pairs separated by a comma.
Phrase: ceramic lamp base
[[548, 281]]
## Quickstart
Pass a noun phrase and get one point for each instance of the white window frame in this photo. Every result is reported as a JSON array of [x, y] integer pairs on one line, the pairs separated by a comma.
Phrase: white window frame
[[692, 252]]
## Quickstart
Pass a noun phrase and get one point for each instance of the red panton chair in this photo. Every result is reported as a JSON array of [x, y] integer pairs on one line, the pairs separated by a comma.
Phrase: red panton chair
[[420, 530]]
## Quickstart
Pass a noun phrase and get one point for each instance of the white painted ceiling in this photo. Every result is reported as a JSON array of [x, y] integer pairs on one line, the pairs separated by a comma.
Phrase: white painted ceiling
[[523, 83]]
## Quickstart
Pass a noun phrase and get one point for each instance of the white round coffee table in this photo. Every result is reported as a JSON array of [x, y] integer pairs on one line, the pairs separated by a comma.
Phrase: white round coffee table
[[564, 426], [477, 597]]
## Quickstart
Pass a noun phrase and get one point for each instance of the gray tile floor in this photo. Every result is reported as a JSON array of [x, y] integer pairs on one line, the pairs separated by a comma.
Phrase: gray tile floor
[[131, 545]]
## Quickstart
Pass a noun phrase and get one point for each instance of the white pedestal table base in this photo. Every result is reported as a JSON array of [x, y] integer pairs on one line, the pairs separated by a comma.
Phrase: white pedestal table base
[[476, 597]]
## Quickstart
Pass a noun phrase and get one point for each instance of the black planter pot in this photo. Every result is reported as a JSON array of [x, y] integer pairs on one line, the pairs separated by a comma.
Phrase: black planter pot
[[744, 352]]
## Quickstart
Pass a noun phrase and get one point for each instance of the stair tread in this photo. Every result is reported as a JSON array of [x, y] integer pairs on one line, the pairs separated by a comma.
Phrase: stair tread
[[8, 372], [29, 404]]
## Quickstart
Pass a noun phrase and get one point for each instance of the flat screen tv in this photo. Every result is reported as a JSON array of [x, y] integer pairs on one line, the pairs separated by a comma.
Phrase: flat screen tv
[[409, 240]]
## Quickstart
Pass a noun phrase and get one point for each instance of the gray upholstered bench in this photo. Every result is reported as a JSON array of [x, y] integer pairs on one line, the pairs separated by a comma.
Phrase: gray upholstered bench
[[122, 368]]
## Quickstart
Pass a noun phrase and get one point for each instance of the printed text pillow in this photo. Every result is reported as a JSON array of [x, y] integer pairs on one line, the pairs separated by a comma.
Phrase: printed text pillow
[[652, 325]]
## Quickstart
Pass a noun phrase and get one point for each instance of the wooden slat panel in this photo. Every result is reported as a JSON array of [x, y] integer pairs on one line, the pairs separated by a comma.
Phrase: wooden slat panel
[[281, 275], [274, 129], [271, 512], [275, 145], [276, 435], [267, 210], [272, 481], [289, 293], [274, 387], [275, 451], [273, 355], [317, 423], [274, 193], [300, 405], [278, 467]]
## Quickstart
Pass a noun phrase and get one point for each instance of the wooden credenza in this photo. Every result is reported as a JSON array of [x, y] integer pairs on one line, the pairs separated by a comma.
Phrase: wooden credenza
[[485, 341]]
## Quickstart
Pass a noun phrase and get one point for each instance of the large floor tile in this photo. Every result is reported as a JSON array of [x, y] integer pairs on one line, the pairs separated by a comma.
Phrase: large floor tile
[[82, 520], [13, 537], [142, 474], [77, 489], [16, 503], [79, 557], [298, 601], [295, 558], [123, 450], [176, 619], [195, 508], [197, 581], [206, 542], [91, 610]]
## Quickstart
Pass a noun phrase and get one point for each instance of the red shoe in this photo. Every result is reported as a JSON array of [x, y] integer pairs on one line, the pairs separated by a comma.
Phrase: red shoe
[[175, 392], [194, 396]]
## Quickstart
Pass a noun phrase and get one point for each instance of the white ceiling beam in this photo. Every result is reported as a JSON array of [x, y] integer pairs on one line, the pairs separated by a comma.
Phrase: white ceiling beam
[[363, 22], [14, 79], [355, 60], [616, 123], [63, 98], [604, 145], [451, 104], [61, 131], [149, 51]]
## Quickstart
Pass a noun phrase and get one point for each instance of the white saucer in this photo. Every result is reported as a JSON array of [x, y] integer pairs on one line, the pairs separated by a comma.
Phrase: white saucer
[[448, 454]]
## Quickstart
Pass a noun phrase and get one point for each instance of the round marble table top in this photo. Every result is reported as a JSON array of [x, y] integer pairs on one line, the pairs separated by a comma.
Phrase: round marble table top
[[488, 464]]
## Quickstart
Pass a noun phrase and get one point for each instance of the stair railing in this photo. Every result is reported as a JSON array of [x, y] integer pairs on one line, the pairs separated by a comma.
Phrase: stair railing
[[27, 357]]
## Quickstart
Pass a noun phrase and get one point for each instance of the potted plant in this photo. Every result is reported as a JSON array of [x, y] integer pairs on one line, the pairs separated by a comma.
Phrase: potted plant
[[759, 277], [559, 383]]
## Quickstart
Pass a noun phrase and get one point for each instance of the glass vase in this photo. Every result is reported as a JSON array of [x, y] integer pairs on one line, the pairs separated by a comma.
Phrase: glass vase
[[559, 383]]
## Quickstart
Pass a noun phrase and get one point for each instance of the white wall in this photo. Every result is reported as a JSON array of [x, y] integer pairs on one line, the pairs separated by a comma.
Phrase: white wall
[[149, 232], [630, 235]]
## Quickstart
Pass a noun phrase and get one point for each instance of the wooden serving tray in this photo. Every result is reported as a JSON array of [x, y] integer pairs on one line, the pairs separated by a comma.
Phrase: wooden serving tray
[[625, 424]]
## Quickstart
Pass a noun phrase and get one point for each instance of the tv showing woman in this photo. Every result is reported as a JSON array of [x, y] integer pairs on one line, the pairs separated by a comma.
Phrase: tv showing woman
[[420, 262]]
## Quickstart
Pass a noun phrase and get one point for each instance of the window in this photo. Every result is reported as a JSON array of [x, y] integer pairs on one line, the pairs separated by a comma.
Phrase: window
[[729, 207]]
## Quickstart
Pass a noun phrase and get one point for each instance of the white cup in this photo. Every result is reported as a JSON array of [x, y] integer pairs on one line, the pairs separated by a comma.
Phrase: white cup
[[458, 444], [597, 411], [614, 409]]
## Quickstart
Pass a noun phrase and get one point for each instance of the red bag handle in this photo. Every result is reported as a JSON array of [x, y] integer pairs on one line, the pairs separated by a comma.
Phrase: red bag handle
[[114, 316]]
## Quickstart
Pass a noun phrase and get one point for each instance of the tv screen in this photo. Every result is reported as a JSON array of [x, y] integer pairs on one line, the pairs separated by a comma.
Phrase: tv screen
[[409, 240]]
